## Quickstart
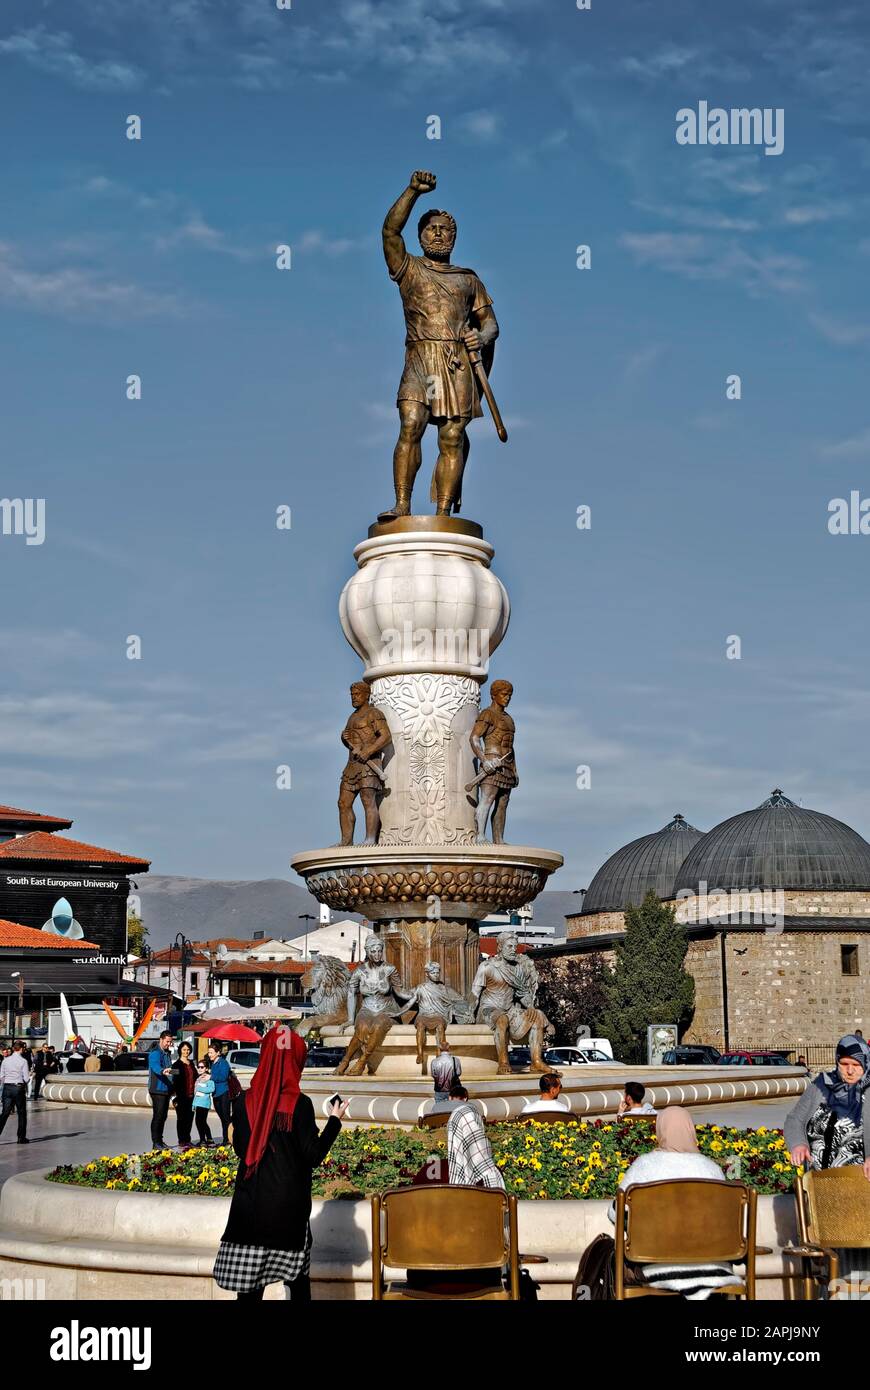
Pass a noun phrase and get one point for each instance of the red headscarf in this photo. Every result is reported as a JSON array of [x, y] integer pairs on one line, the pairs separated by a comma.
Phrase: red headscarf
[[274, 1090]]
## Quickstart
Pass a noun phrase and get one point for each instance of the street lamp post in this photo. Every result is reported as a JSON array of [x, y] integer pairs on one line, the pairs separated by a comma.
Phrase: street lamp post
[[184, 952], [307, 917]]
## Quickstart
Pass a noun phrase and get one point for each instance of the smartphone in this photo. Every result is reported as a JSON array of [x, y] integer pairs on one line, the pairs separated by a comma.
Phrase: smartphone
[[334, 1100]]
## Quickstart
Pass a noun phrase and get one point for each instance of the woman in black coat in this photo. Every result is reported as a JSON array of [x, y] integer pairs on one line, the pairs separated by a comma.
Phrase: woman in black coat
[[267, 1237], [184, 1078]]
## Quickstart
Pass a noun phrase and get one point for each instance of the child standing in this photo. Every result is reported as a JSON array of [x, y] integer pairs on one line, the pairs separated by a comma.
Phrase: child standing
[[202, 1094]]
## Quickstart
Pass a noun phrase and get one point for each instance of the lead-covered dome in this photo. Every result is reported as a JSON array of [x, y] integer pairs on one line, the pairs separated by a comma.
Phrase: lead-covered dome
[[648, 863], [778, 845]]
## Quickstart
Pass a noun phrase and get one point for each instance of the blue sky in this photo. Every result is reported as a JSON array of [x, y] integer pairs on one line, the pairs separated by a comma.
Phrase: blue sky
[[261, 388]]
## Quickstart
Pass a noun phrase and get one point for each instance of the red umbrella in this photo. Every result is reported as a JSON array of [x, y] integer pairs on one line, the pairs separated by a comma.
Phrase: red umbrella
[[229, 1032]]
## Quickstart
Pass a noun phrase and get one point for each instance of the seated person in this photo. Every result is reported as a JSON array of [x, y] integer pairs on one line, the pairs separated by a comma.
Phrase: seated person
[[470, 1163], [550, 1086], [456, 1096], [633, 1102], [677, 1156]]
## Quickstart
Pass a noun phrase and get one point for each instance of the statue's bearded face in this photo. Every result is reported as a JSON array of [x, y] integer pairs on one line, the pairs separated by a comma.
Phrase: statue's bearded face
[[438, 237], [508, 948]]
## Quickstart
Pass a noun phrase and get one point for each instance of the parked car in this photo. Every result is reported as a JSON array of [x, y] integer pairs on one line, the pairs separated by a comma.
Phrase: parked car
[[699, 1056], [579, 1057], [132, 1061], [320, 1056], [244, 1058], [600, 1044], [754, 1059]]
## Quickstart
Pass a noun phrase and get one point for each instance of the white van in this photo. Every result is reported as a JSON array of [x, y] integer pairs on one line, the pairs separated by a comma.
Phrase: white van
[[596, 1045]]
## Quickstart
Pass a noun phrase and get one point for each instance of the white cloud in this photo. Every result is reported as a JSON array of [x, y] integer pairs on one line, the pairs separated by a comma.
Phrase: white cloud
[[700, 258], [72, 290], [54, 54], [838, 332], [857, 447], [315, 240], [481, 125], [809, 213], [195, 231]]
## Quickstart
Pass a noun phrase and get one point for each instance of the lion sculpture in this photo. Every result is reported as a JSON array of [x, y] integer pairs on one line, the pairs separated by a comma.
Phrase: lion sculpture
[[326, 980]]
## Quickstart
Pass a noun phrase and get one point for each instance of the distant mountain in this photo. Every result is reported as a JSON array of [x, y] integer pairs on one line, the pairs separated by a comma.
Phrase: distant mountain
[[204, 908]]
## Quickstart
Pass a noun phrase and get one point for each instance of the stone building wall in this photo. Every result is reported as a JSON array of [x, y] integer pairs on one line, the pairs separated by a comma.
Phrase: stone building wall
[[790, 902], [784, 988], [595, 924]]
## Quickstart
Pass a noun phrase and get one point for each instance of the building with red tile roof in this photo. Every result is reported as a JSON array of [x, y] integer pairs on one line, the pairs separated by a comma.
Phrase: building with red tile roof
[[15, 821], [47, 877], [48, 848], [13, 934]]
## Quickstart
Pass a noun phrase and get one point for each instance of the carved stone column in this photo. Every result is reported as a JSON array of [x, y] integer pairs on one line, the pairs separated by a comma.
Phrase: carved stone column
[[409, 944]]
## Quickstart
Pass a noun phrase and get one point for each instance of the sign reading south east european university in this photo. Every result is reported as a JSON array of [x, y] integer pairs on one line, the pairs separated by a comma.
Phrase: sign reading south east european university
[[63, 886]]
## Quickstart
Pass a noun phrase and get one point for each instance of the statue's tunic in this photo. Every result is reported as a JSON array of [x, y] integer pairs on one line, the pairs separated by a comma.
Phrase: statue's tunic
[[506, 988], [433, 1001], [375, 985], [495, 726], [360, 731], [439, 301]]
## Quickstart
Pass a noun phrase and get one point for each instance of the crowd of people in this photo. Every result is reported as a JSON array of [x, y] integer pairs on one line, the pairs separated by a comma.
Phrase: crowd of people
[[275, 1135]]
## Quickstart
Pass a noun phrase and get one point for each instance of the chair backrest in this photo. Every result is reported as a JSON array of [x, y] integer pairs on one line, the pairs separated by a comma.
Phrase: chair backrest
[[436, 1121], [687, 1221], [834, 1207], [444, 1227]]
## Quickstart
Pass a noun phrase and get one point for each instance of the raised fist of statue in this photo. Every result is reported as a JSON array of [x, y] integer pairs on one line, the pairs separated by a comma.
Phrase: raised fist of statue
[[422, 181]]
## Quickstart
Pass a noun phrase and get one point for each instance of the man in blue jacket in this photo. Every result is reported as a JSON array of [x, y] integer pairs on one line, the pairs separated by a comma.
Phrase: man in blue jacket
[[160, 1087], [220, 1075]]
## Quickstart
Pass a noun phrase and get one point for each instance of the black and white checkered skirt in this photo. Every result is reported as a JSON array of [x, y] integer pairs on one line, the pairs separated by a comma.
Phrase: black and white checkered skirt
[[244, 1268]]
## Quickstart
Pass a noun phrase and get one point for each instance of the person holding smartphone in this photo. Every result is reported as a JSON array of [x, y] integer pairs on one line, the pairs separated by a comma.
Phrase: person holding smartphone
[[267, 1236], [160, 1086]]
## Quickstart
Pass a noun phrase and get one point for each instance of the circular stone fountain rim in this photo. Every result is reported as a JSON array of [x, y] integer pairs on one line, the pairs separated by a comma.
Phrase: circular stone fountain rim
[[361, 856]]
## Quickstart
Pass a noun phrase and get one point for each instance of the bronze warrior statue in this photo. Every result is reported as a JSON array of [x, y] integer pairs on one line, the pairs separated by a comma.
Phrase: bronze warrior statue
[[505, 989], [448, 315], [492, 742], [376, 985], [437, 1005], [364, 735]]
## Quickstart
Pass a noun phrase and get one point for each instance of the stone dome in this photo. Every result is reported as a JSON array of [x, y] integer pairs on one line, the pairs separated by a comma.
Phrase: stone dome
[[778, 845], [651, 862]]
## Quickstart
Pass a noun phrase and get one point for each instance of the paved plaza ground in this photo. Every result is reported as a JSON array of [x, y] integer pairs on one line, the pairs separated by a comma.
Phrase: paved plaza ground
[[76, 1133]]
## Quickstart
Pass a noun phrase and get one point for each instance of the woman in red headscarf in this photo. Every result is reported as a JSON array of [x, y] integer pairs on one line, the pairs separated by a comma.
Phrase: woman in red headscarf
[[268, 1237]]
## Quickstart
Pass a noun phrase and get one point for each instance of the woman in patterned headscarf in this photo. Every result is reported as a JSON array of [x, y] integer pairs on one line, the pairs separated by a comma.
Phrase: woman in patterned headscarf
[[276, 1138], [830, 1125]]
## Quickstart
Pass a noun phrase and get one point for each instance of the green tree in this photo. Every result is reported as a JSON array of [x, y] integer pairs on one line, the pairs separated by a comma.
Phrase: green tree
[[572, 991], [137, 933], [648, 983]]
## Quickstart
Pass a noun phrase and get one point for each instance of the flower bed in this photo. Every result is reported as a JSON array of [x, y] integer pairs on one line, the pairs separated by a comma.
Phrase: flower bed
[[539, 1161]]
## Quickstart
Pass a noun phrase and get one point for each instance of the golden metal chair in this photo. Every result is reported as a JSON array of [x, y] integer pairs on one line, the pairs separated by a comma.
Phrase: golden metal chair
[[685, 1221], [445, 1230], [436, 1121], [833, 1213]]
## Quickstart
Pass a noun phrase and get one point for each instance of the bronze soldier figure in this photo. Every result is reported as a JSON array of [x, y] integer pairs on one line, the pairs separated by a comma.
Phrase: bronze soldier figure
[[492, 741], [364, 734], [505, 992], [448, 314], [375, 1000]]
